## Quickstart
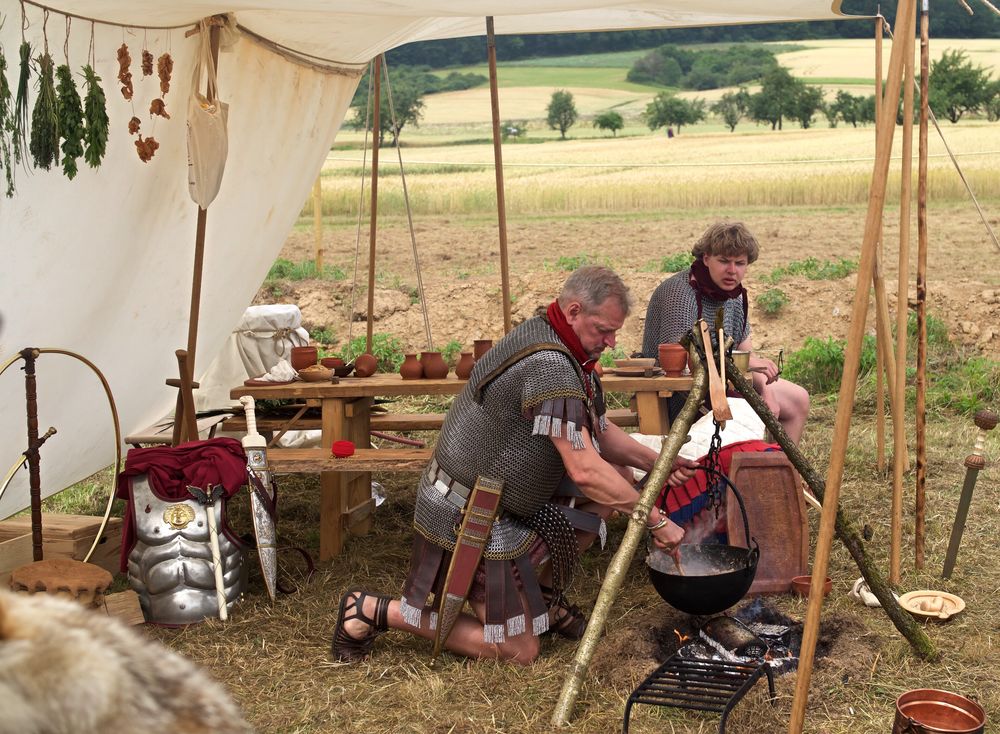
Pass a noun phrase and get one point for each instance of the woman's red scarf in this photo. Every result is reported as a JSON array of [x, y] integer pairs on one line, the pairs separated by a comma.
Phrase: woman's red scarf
[[557, 319], [701, 281]]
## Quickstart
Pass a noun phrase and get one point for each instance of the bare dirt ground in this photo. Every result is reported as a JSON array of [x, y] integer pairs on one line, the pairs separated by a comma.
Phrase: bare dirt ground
[[461, 276]]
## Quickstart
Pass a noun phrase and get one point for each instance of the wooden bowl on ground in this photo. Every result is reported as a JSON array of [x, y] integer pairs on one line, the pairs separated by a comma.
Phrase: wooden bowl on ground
[[927, 605]]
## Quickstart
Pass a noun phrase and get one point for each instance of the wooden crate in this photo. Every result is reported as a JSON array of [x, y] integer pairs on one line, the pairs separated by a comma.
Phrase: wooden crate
[[15, 551], [70, 536]]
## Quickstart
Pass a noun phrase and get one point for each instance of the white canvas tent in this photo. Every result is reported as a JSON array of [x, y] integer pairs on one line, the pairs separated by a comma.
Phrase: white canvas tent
[[101, 265]]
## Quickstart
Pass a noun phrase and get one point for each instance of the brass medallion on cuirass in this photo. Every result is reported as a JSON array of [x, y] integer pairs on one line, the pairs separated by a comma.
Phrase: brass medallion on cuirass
[[178, 516]]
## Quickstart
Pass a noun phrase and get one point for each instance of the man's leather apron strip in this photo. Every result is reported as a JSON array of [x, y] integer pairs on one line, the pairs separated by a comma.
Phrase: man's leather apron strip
[[481, 510]]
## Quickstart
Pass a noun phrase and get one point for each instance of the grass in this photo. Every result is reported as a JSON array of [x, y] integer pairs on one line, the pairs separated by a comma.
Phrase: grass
[[287, 270], [813, 269], [771, 301]]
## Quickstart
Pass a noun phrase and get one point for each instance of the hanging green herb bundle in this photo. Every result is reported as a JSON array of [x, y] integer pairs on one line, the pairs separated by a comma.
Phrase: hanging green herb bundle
[[44, 139], [95, 115], [6, 126], [21, 104], [70, 120]]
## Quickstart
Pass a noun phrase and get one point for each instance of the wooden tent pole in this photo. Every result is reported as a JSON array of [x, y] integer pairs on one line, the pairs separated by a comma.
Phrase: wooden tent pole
[[849, 380], [879, 349], [902, 316], [921, 405], [372, 224], [181, 422], [318, 224], [491, 55]]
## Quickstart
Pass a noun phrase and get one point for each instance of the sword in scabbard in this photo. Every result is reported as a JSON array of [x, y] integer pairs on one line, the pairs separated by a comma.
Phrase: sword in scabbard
[[262, 498]]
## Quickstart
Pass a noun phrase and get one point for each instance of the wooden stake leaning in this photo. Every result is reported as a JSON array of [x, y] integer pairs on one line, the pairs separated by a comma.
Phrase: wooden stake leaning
[[845, 530], [921, 403], [902, 315], [849, 380], [879, 350], [618, 568]]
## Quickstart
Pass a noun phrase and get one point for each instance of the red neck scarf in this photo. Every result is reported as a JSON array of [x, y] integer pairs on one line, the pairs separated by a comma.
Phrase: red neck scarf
[[703, 285], [568, 337]]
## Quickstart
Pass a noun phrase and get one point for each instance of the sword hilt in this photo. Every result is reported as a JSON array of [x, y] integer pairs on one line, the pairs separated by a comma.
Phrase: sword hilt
[[985, 420], [249, 410]]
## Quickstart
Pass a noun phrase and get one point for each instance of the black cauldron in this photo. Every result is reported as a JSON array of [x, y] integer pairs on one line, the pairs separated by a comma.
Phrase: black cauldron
[[715, 576]]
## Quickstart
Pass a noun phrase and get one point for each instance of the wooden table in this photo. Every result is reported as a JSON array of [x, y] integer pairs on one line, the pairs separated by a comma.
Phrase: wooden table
[[345, 407]]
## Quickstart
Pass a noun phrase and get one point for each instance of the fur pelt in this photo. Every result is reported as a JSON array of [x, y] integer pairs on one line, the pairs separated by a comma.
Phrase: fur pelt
[[68, 670]]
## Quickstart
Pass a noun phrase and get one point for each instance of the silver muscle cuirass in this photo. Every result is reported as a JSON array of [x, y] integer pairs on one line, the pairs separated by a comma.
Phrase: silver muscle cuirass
[[170, 566], [497, 429]]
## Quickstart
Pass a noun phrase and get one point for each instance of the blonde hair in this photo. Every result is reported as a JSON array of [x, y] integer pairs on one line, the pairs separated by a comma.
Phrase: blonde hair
[[727, 238]]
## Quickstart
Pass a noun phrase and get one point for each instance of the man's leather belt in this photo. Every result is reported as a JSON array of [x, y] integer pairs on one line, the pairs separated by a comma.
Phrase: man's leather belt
[[452, 490]]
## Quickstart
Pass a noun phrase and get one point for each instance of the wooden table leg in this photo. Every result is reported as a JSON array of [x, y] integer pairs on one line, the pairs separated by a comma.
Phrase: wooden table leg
[[651, 409], [342, 491]]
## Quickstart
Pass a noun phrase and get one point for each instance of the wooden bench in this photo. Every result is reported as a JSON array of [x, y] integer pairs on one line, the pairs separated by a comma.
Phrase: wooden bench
[[623, 417]]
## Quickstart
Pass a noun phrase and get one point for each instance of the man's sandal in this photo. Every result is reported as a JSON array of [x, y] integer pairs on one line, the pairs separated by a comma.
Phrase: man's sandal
[[348, 649], [569, 621]]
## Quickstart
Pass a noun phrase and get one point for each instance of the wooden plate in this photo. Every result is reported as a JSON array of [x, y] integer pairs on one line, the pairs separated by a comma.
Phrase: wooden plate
[[928, 605], [265, 383], [637, 371]]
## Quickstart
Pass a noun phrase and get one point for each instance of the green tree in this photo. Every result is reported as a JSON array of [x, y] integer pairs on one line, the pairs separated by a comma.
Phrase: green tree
[[669, 109], [992, 106], [846, 107], [957, 86], [807, 101], [609, 120], [561, 112], [732, 107], [408, 86], [776, 98]]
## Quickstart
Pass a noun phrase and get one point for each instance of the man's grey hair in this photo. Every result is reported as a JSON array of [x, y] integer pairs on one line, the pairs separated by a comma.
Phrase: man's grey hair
[[592, 285]]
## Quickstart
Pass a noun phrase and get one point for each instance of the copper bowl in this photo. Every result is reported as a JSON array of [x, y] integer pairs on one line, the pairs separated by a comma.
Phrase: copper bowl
[[930, 711], [801, 585]]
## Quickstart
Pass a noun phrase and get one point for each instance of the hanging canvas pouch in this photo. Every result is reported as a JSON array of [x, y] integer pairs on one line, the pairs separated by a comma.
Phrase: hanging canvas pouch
[[208, 139]]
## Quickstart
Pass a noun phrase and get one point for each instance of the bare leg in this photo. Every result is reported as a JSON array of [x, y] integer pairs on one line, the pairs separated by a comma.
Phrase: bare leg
[[466, 636], [790, 404]]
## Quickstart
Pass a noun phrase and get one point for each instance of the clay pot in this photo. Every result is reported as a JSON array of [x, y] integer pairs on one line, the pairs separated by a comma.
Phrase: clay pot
[[302, 357], [673, 359], [411, 369], [481, 347], [464, 367], [332, 362], [365, 365], [435, 368], [801, 585]]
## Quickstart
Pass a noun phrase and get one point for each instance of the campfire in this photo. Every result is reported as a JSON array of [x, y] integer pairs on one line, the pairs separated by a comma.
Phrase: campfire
[[711, 665]]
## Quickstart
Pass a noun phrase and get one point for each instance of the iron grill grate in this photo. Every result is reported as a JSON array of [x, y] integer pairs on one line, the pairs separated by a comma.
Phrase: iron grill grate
[[701, 685]]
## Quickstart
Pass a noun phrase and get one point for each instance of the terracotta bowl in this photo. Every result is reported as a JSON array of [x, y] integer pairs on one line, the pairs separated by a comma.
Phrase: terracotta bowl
[[801, 584], [332, 362]]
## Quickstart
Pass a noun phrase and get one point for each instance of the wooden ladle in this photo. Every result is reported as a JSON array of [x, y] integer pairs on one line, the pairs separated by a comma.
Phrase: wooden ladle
[[716, 388]]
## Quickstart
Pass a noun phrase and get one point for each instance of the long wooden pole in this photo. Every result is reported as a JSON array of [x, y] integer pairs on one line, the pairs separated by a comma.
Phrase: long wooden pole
[[618, 568], [921, 404], [181, 423], [491, 56], [849, 380], [318, 225], [902, 316], [879, 325], [373, 223]]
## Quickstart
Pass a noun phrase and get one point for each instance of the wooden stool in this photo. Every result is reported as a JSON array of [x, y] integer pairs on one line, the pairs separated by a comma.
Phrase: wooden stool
[[81, 582]]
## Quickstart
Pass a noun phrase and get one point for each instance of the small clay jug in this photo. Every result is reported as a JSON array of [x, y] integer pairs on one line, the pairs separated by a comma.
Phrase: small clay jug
[[302, 357], [365, 365], [435, 368], [464, 367], [481, 347], [411, 369], [673, 359]]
